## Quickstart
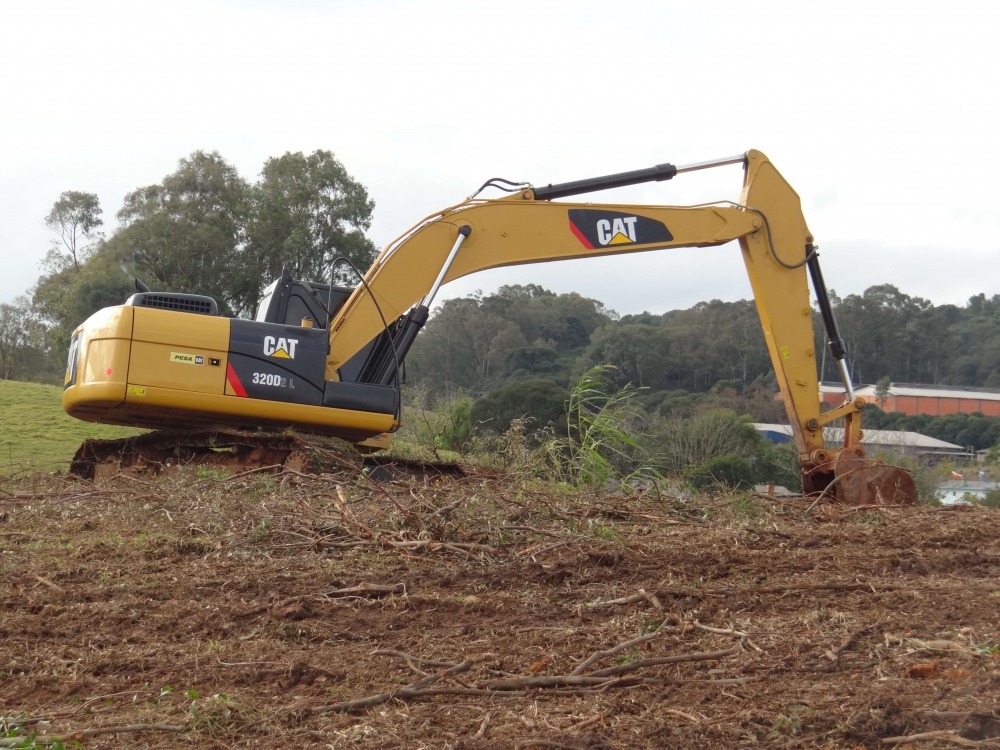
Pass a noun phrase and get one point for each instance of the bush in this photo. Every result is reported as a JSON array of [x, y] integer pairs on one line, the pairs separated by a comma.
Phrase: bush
[[992, 499], [457, 424], [735, 472], [682, 442], [778, 464], [540, 399], [601, 433]]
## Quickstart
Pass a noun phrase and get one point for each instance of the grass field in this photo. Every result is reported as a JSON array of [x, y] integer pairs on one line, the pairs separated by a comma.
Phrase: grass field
[[36, 433]]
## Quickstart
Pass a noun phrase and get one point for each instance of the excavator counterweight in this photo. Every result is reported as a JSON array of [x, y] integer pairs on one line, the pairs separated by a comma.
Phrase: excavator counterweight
[[324, 359]]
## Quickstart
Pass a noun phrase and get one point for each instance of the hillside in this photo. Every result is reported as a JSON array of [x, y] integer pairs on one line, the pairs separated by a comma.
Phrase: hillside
[[36, 433]]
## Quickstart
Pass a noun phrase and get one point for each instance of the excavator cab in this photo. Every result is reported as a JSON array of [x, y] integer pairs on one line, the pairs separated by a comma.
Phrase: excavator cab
[[301, 303]]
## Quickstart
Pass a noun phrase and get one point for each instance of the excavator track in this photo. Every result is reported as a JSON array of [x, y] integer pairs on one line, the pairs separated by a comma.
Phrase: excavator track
[[233, 451]]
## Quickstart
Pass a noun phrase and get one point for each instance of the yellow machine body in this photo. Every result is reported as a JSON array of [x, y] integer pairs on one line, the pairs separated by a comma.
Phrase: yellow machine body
[[144, 367]]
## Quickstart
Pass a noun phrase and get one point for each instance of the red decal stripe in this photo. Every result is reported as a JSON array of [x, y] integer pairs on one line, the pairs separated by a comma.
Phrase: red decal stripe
[[579, 236], [234, 381]]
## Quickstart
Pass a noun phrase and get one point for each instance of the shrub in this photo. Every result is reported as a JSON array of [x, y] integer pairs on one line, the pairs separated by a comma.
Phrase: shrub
[[735, 472], [992, 499], [457, 424], [539, 399], [683, 442], [601, 433]]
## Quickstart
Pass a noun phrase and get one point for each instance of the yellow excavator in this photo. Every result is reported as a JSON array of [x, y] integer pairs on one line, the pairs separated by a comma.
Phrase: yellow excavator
[[326, 359]]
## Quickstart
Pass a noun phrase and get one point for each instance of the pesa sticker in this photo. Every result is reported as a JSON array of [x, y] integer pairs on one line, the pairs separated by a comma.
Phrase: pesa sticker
[[188, 359]]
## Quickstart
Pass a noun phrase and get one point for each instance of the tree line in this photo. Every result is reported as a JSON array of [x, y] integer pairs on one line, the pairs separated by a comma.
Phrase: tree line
[[204, 229], [478, 342], [519, 350]]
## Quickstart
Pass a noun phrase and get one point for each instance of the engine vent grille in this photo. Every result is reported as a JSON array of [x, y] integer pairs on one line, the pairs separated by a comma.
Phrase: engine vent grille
[[189, 303]]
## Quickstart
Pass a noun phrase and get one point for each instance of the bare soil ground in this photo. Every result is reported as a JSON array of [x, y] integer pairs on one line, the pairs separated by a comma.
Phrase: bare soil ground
[[246, 612]]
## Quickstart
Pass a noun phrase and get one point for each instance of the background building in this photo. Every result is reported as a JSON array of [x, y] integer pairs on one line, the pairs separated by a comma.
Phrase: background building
[[910, 398], [954, 491], [889, 441]]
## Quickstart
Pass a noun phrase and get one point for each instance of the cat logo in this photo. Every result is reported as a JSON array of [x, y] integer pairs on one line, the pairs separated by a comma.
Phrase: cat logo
[[281, 348], [621, 232], [596, 229]]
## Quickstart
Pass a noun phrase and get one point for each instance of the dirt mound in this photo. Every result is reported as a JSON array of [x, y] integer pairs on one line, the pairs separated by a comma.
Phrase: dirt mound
[[466, 610]]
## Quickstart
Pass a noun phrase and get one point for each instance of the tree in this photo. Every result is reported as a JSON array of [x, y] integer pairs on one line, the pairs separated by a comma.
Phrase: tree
[[882, 392], [564, 321], [305, 212], [187, 234], [76, 219], [14, 337], [463, 344], [640, 354], [64, 299]]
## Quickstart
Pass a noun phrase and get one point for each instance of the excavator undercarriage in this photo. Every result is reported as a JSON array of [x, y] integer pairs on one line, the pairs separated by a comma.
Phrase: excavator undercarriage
[[228, 453]]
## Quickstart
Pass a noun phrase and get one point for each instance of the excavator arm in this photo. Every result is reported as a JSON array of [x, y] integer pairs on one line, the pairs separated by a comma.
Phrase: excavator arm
[[528, 227]]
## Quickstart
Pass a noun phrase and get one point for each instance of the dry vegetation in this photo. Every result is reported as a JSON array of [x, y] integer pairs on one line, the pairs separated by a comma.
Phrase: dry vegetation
[[473, 612]]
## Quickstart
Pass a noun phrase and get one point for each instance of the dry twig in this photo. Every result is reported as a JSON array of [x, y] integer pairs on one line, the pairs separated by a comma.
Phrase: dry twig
[[726, 590], [412, 661], [588, 722], [834, 653], [369, 589], [482, 727], [656, 661], [410, 691], [598, 655], [565, 680], [745, 637], [446, 510], [47, 582]]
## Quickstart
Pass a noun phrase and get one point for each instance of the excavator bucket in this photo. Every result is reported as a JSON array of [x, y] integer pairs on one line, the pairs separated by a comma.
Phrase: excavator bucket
[[861, 481]]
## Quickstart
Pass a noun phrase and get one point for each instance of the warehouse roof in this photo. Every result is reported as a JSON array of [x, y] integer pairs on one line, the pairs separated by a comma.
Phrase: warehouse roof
[[914, 389], [894, 438], [968, 485]]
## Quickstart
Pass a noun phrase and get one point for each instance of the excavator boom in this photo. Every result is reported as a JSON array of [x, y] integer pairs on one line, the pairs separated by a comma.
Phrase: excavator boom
[[343, 380]]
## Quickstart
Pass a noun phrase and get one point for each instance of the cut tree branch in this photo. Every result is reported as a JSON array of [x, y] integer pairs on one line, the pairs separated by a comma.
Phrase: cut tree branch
[[657, 661], [598, 655], [404, 692], [727, 590]]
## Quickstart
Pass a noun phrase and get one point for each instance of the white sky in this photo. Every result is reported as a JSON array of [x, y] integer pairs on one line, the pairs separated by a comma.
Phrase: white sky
[[884, 116]]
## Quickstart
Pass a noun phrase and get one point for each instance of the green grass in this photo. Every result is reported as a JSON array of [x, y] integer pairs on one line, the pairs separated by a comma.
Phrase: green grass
[[35, 432]]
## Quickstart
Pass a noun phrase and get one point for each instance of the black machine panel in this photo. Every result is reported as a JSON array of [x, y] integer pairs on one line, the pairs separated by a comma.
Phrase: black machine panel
[[379, 399], [277, 362]]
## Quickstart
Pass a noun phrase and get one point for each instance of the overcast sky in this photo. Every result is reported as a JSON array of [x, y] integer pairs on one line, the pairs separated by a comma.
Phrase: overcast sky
[[883, 116]]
